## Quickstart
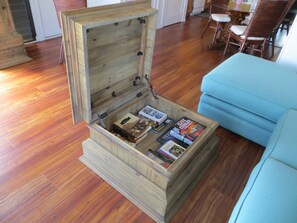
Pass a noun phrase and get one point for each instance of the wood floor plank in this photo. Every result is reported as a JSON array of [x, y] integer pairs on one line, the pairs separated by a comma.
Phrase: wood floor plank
[[35, 164], [15, 205], [41, 178]]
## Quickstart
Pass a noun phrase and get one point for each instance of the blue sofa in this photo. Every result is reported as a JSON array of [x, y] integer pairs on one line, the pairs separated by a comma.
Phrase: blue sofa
[[257, 99], [271, 191], [247, 95]]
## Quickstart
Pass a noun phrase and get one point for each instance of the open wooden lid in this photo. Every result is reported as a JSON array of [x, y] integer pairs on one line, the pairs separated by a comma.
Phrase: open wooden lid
[[108, 51]]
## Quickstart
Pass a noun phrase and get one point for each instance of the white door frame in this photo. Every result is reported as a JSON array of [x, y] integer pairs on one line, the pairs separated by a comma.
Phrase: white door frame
[[162, 5], [34, 4], [37, 19], [39, 28]]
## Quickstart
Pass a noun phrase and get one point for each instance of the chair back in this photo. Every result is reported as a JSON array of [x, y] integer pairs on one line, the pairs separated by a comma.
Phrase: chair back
[[218, 6], [65, 5], [285, 13], [266, 16]]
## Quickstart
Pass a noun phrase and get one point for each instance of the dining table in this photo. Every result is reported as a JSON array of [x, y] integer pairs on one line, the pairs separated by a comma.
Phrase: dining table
[[239, 13]]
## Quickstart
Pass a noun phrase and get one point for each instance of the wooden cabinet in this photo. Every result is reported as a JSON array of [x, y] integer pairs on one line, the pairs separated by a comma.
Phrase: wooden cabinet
[[12, 50], [109, 53]]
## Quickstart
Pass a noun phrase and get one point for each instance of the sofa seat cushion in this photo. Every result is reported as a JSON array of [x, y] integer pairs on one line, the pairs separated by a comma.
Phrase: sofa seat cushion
[[269, 196], [282, 144], [253, 84], [237, 120]]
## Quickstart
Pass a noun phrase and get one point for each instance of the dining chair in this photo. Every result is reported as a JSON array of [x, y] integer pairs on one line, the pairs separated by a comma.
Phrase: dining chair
[[283, 19], [289, 18], [65, 5], [254, 36], [218, 16], [287, 21]]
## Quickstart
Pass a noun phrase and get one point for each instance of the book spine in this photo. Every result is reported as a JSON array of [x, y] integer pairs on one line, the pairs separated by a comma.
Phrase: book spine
[[157, 159], [123, 133], [163, 151], [164, 156], [180, 137]]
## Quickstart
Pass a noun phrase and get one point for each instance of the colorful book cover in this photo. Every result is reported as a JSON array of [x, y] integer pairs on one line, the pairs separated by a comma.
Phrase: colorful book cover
[[165, 137], [172, 149], [153, 114], [158, 128], [187, 130]]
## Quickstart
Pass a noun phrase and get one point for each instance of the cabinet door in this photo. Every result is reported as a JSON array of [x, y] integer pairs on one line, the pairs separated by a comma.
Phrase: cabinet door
[[198, 6], [174, 11], [49, 19]]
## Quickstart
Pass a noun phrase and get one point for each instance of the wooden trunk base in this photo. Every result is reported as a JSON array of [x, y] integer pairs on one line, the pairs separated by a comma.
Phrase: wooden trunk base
[[144, 194], [14, 60], [12, 51]]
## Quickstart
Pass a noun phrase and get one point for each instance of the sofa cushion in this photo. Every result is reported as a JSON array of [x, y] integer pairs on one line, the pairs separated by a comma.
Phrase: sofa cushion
[[282, 144], [237, 120], [269, 196], [253, 84]]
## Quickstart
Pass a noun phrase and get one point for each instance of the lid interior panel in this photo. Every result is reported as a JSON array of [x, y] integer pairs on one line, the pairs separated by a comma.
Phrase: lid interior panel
[[113, 58], [104, 66]]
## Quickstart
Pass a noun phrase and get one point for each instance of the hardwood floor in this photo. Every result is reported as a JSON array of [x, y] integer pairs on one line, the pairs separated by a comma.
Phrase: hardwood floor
[[41, 178]]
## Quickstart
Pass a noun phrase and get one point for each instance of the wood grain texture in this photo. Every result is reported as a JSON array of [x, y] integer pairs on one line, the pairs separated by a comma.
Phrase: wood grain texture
[[65, 5], [12, 49], [41, 178]]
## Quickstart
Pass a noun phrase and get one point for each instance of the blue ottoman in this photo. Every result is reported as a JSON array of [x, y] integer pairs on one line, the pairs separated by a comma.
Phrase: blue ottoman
[[247, 95]]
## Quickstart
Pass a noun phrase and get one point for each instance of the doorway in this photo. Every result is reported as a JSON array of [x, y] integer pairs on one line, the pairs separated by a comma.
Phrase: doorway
[[22, 17], [174, 11]]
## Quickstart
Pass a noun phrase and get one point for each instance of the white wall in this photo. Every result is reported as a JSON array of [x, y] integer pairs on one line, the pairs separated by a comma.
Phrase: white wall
[[159, 4], [45, 19], [288, 54], [47, 26], [92, 3]]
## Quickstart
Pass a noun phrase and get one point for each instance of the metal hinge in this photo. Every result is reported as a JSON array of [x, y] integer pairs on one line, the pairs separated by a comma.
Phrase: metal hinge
[[100, 119], [142, 20], [136, 81], [139, 94]]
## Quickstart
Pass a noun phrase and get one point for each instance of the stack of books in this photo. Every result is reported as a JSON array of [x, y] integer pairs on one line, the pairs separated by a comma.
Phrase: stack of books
[[183, 132], [177, 139], [153, 114], [132, 128], [187, 130]]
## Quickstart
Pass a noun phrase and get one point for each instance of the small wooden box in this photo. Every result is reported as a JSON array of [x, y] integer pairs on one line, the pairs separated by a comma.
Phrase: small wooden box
[[109, 54]]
